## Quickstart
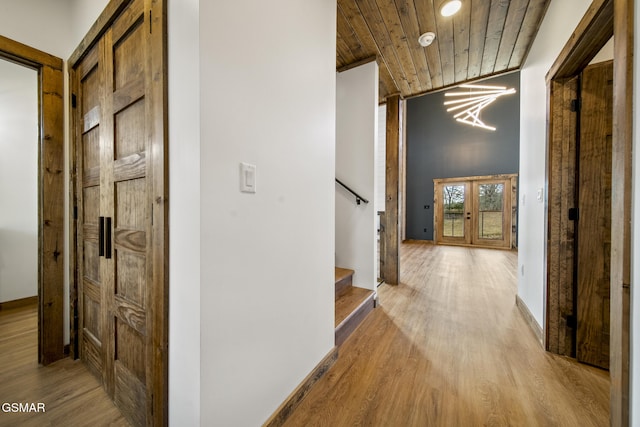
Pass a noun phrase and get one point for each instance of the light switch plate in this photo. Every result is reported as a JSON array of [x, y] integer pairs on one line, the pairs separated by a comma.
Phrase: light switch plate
[[247, 178], [540, 194]]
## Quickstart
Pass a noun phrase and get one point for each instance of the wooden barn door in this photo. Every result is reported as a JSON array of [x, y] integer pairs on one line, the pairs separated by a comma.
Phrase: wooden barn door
[[594, 215], [122, 335]]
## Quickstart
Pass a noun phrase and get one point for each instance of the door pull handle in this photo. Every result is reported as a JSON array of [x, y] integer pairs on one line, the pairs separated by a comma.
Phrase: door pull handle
[[107, 243], [101, 236]]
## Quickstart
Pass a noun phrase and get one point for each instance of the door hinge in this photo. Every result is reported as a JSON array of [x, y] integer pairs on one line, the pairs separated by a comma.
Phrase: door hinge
[[150, 23], [575, 105], [74, 102], [571, 321], [573, 214], [75, 212]]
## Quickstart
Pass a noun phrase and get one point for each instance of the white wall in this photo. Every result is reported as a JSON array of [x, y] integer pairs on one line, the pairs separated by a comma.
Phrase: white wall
[[267, 97], [42, 24], [83, 14], [18, 182], [381, 176], [559, 22], [356, 155], [381, 159], [605, 54], [184, 213]]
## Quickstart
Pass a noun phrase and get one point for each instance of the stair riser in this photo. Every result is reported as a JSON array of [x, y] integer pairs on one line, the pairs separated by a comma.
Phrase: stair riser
[[342, 286], [344, 329]]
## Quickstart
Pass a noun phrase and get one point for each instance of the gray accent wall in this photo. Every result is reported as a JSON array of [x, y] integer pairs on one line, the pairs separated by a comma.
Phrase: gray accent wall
[[440, 147]]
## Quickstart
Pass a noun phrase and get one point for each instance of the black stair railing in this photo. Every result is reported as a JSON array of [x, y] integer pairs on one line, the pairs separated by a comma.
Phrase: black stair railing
[[358, 197]]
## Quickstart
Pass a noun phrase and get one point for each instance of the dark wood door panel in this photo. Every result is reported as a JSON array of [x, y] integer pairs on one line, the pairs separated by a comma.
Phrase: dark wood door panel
[[91, 325], [117, 127], [129, 209], [594, 220]]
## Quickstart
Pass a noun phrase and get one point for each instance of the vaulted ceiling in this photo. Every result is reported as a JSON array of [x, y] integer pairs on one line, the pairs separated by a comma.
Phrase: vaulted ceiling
[[486, 37]]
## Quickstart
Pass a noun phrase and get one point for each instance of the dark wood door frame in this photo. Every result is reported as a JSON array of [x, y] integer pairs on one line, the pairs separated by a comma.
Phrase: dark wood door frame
[[603, 19], [50, 194]]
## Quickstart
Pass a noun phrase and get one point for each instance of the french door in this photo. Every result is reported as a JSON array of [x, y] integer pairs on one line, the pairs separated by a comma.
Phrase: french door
[[475, 211]]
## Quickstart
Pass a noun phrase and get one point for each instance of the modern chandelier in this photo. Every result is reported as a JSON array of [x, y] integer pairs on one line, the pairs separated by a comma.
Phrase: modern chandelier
[[470, 103]]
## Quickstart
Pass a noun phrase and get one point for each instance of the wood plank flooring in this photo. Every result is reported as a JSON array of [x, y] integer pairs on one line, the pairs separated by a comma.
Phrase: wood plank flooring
[[446, 347], [449, 347], [72, 396]]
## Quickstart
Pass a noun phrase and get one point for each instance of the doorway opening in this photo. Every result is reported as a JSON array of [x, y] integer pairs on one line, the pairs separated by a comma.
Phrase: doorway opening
[[18, 185], [594, 30], [50, 184]]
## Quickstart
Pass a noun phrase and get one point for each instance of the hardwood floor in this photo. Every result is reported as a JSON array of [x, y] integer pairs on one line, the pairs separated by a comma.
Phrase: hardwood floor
[[71, 395], [446, 347], [449, 347]]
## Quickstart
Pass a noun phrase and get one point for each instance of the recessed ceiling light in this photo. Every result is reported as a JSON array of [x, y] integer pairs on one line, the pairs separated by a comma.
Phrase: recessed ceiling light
[[450, 7], [426, 39]]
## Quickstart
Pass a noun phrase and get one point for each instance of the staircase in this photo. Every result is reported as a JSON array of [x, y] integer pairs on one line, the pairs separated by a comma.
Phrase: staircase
[[352, 304]]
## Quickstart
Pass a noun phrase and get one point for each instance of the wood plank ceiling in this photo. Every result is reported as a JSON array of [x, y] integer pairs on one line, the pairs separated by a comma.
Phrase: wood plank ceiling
[[485, 38]]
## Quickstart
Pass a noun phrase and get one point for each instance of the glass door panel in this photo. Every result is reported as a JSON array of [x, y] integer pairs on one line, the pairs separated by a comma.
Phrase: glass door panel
[[453, 210], [490, 213], [453, 204]]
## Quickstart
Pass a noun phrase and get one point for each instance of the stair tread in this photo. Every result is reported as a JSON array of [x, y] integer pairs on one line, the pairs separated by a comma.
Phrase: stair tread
[[348, 302], [341, 273]]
